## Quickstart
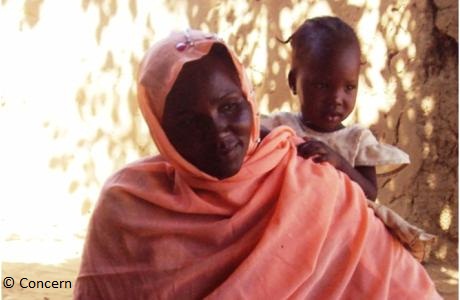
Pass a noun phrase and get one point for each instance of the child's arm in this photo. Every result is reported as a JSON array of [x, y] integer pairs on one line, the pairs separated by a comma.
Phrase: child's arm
[[369, 184], [363, 175]]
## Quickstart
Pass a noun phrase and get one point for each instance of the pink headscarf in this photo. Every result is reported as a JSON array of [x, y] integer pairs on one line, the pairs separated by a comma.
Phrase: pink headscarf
[[281, 228], [159, 71]]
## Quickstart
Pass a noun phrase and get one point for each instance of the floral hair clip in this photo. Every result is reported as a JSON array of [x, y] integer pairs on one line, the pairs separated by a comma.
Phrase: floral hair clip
[[182, 46]]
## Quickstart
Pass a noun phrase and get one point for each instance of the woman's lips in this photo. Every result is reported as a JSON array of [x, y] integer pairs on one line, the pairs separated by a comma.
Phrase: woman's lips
[[228, 150]]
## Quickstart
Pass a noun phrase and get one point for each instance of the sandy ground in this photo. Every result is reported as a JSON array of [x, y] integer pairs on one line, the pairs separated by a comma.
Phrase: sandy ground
[[445, 278], [444, 274], [34, 271]]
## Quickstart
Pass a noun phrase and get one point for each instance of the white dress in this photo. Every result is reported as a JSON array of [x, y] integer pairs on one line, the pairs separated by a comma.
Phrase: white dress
[[359, 147], [355, 143]]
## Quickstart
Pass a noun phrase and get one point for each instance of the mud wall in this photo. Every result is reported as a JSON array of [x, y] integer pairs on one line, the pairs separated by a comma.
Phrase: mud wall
[[68, 95]]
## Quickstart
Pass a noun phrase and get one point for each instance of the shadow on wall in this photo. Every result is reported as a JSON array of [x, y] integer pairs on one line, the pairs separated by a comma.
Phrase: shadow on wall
[[424, 122], [118, 135], [130, 137], [31, 11], [422, 75]]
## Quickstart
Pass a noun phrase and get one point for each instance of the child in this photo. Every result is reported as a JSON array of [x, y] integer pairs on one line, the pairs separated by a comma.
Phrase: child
[[324, 74]]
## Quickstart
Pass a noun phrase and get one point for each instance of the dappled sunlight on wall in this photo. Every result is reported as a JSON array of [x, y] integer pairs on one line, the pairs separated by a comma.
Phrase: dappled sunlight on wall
[[68, 102], [422, 119], [70, 117]]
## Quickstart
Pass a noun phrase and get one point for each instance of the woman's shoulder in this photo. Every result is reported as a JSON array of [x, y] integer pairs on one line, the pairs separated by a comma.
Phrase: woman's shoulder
[[126, 192], [133, 178], [145, 166]]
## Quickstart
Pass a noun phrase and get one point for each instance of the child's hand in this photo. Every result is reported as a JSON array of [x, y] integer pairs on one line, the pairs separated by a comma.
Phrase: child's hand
[[320, 152]]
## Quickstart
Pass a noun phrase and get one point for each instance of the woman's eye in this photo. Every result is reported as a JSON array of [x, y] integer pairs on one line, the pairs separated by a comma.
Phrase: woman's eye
[[230, 107], [188, 121]]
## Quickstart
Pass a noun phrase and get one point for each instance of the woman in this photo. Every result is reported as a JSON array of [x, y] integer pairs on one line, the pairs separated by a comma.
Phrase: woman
[[221, 215]]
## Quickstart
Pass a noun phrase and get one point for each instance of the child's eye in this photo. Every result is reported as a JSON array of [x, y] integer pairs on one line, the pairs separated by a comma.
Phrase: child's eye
[[320, 85], [350, 87]]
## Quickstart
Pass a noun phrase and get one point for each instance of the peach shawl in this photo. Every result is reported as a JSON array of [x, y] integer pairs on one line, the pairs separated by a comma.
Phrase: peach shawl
[[281, 228]]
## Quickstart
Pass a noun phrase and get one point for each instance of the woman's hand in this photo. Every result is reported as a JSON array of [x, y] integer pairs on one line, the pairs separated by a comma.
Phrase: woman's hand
[[320, 153]]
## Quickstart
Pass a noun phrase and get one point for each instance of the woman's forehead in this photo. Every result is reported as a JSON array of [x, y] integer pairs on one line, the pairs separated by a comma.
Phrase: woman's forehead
[[195, 72], [208, 81]]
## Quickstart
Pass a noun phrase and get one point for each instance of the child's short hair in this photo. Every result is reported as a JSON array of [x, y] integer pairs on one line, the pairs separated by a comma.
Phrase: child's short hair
[[321, 33]]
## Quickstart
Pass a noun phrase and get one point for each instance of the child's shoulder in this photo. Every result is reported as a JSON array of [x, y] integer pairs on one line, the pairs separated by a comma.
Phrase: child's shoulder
[[281, 115], [358, 132], [280, 118], [353, 132], [372, 152], [358, 128]]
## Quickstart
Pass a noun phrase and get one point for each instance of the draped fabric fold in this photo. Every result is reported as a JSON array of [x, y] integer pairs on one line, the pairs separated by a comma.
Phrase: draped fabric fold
[[281, 228]]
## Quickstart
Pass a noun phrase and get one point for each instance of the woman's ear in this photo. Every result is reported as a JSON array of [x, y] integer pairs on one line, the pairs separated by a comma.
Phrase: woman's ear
[[291, 81]]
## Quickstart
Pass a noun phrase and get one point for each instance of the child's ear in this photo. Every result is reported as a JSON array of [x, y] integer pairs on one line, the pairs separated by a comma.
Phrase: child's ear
[[291, 81]]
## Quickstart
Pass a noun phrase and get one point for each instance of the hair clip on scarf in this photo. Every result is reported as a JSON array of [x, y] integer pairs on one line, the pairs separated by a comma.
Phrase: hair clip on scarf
[[182, 46]]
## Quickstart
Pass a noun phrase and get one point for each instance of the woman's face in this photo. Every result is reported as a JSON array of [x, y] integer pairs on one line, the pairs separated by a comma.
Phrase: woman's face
[[207, 118]]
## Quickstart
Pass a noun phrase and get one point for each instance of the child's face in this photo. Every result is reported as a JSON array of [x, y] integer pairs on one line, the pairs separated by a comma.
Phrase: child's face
[[208, 119], [326, 83]]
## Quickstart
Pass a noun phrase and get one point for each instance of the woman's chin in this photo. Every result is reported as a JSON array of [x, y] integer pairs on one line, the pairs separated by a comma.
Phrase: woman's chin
[[226, 171]]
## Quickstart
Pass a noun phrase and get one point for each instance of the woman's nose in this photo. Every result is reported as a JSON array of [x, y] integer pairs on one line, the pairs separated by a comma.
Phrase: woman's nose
[[220, 123], [216, 127]]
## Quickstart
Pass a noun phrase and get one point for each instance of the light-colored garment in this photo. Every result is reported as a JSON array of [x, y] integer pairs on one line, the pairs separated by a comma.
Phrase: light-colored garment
[[415, 239], [359, 147], [282, 228], [355, 143]]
